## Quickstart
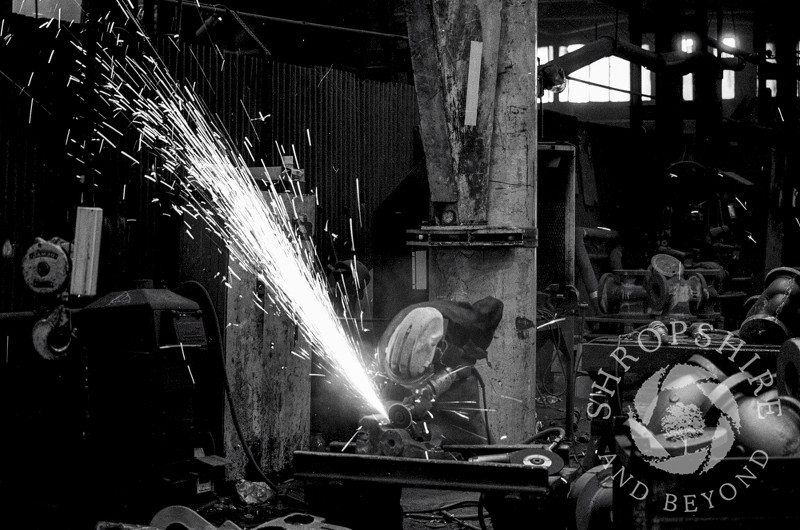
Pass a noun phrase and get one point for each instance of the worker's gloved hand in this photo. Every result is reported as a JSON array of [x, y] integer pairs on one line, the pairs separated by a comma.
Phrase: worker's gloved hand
[[411, 347], [466, 354]]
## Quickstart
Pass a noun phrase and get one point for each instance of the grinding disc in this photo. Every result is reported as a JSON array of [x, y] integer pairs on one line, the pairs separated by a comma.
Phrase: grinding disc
[[541, 458]]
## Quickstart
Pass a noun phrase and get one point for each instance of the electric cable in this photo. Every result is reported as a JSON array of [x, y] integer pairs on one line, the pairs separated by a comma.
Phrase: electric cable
[[485, 405], [452, 506], [205, 301], [550, 430], [481, 518], [441, 512], [557, 338]]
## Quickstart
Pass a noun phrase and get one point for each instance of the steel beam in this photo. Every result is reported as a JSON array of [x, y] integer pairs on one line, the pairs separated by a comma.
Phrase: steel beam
[[418, 473]]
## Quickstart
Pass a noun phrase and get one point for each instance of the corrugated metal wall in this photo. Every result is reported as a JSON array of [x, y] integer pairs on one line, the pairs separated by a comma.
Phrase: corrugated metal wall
[[358, 130], [341, 128]]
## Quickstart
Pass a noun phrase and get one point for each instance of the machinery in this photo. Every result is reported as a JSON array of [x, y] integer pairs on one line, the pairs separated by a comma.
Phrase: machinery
[[125, 387], [152, 392], [665, 291], [774, 315], [46, 269], [665, 288]]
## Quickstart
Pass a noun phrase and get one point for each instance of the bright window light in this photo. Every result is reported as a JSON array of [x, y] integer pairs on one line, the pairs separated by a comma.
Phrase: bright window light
[[647, 79], [620, 77], [772, 84], [608, 72], [728, 77], [575, 92], [687, 46]]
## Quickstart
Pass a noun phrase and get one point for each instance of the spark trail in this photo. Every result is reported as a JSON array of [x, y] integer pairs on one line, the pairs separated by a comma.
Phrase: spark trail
[[219, 189]]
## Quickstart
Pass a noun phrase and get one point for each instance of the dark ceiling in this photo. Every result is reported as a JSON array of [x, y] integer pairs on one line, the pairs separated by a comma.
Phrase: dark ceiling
[[384, 57]]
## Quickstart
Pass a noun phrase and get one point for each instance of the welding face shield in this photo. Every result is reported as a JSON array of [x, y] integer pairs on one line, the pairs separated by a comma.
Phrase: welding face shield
[[411, 347]]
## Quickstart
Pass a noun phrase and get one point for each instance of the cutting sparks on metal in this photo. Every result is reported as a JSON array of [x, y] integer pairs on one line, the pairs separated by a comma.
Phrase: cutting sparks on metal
[[217, 187]]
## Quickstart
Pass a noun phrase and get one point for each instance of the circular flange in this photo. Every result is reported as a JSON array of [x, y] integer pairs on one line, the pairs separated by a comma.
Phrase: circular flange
[[667, 265]]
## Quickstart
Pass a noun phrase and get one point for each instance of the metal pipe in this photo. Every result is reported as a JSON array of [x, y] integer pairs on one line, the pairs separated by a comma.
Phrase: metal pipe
[[222, 10], [598, 233], [585, 268], [553, 73]]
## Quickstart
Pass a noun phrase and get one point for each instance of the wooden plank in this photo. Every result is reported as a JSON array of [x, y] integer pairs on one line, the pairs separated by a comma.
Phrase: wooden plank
[[473, 79], [430, 96], [86, 251]]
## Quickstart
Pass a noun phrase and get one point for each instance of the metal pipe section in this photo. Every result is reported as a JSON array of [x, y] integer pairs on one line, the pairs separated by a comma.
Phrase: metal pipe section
[[553, 73], [222, 10]]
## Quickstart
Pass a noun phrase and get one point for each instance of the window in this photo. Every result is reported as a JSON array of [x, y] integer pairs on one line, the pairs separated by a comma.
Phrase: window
[[63, 10], [619, 77], [728, 77], [603, 73], [687, 46], [576, 92], [647, 79], [772, 84]]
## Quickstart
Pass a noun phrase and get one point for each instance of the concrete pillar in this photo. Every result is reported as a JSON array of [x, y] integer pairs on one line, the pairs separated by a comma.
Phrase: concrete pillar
[[489, 172]]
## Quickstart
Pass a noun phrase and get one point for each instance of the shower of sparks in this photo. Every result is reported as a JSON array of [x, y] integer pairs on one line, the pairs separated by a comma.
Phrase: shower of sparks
[[550, 323], [358, 202], [351, 439], [217, 187]]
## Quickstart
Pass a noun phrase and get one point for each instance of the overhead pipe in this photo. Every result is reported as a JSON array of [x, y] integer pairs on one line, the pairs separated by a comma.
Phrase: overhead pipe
[[766, 69], [553, 74]]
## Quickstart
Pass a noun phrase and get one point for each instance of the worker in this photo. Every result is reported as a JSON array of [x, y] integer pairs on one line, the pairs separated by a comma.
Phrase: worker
[[437, 344]]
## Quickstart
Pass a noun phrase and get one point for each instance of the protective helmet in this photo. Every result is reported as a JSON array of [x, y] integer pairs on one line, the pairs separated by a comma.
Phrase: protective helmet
[[408, 347]]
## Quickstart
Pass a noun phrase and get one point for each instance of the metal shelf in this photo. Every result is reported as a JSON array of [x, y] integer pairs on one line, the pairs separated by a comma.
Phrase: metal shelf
[[471, 236]]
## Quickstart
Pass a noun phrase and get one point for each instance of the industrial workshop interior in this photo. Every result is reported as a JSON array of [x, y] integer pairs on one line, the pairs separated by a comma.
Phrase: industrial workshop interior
[[399, 264]]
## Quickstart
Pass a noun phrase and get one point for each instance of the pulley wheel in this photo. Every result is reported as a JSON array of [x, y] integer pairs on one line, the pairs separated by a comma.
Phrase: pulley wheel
[[45, 267]]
